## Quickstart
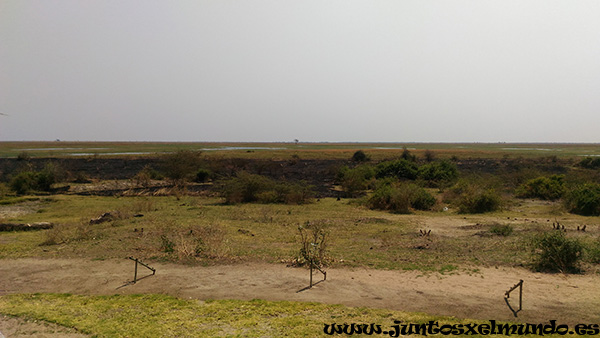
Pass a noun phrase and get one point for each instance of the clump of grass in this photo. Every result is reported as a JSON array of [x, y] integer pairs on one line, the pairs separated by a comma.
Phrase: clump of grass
[[69, 232], [195, 242], [502, 229]]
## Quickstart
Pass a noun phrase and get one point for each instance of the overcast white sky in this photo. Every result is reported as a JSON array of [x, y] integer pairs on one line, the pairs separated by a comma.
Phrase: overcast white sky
[[315, 70]]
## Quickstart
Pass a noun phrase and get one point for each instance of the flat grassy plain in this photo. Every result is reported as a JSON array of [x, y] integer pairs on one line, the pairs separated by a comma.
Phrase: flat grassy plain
[[199, 229], [286, 150]]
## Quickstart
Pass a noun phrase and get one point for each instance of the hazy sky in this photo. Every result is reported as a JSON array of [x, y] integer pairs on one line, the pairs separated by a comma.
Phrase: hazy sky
[[326, 70]]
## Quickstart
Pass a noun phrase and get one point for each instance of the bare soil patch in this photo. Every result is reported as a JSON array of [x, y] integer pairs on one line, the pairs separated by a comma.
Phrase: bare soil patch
[[22, 328], [568, 299]]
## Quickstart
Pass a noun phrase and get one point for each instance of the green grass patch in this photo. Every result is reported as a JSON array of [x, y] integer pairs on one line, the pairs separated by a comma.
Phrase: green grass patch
[[166, 316]]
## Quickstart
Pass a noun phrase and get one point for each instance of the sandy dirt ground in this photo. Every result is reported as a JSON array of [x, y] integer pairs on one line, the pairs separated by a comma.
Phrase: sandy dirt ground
[[18, 327], [568, 299]]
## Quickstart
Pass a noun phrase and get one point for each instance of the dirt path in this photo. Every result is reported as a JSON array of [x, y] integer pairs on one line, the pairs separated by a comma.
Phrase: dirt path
[[568, 299]]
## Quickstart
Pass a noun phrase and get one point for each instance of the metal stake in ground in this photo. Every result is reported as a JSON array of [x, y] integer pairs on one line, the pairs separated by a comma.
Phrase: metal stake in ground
[[507, 295], [137, 261]]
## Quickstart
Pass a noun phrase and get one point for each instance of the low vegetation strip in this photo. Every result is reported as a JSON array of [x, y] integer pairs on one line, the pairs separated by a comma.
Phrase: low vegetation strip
[[165, 316]]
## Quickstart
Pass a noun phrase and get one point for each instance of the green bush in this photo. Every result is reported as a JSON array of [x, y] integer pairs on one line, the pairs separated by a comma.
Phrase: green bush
[[202, 175], [400, 198], [49, 175], [406, 155], [584, 200], [181, 165], [590, 163], [24, 182], [360, 156], [438, 173], [23, 156], [421, 199], [356, 180], [546, 188], [554, 252], [401, 169], [28, 181], [477, 201], [247, 187], [593, 252]]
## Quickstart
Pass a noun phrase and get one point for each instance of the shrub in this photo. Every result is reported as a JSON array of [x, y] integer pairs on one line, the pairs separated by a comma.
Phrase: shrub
[[584, 200], [360, 156], [407, 156], [438, 173], [389, 198], [52, 173], [356, 180], [593, 252], [402, 169], [181, 165], [313, 244], [400, 198], [247, 187], [554, 252], [202, 175], [24, 182], [429, 155], [590, 163], [421, 199], [27, 181], [23, 156], [3, 190], [547, 188], [477, 201]]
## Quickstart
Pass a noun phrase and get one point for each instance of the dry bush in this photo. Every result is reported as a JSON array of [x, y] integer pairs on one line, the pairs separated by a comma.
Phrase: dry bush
[[195, 242], [314, 241], [69, 232]]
